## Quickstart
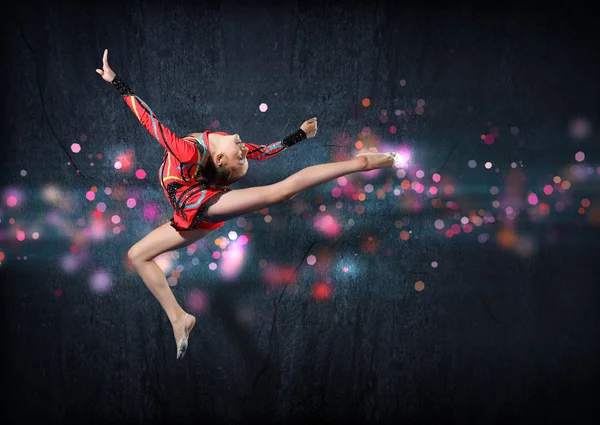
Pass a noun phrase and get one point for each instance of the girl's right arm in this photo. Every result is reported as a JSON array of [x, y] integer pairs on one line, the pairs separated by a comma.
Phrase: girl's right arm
[[187, 151]]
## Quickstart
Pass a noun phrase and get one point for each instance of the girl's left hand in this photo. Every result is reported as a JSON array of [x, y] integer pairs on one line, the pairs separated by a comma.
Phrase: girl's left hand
[[310, 127]]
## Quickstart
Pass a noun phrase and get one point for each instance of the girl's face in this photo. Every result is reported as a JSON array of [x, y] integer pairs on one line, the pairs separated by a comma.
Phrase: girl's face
[[234, 152]]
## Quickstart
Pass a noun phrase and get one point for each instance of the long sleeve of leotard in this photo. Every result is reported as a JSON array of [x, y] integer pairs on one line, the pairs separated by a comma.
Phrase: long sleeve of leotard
[[185, 150], [262, 152]]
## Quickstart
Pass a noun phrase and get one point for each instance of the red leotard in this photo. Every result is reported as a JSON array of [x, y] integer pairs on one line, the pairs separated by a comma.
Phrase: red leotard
[[180, 173]]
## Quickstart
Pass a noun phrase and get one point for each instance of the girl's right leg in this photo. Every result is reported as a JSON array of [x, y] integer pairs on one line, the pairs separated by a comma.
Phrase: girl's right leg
[[141, 255], [243, 201]]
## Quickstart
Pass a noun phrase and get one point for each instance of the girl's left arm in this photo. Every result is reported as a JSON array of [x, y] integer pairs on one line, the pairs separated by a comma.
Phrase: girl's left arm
[[262, 152]]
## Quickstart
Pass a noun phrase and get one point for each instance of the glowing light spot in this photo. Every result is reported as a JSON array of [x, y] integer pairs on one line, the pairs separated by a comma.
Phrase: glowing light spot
[[327, 225], [216, 255], [358, 144], [464, 220], [311, 260], [140, 174], [262, 264], [366, 102], [532, 199], [232, 235], [494, 190], [243, 240], [579, 156], [131, 203], [23, 173], [336, 192], [35, 235], [100, 282], [268, 218], [419, 285], [90, 195], [342, 181], [433, 190], [11, 201], [212, 266], [566, 184], [585, 202], [579, 128], [455, 229], [196, 301], [369, 188], [488, 139], [434, 264], [436, 178], [404, 235], [393, 129], [556, 179], [150, 212], [345, 269], [263, 107], [118, 165], [2, 256], [472, 163], [216, 124], [115, 219], [76, 148], [439, 224], [403, 83], [419, 174], [483, 237], [321, 291], [506, 237], [488, 165]]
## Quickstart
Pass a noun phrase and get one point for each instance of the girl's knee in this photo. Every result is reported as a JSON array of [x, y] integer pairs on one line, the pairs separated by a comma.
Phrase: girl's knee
[[134, 255]]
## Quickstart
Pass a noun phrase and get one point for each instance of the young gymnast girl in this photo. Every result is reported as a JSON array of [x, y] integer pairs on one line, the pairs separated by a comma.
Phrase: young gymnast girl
[[195, 175]]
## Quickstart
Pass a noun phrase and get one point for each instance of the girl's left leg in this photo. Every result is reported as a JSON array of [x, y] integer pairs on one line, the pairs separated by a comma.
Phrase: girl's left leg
[[141, 255]]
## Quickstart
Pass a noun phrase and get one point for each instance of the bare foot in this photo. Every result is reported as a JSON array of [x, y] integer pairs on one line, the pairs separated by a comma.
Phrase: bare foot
[[378, 160], [178, 326]]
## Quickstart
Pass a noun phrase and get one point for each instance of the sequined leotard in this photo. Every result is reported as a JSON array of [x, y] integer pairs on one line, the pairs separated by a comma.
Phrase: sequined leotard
[[180, 173]]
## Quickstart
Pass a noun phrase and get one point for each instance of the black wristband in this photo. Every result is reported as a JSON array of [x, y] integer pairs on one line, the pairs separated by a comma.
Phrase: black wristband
[[121, 86], [292, 139]]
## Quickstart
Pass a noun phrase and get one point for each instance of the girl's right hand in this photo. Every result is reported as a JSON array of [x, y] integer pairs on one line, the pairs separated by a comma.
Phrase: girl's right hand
[[106, 73]]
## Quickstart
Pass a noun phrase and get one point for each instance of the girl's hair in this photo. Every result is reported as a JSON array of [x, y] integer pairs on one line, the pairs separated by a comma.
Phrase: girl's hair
[[214, 176]]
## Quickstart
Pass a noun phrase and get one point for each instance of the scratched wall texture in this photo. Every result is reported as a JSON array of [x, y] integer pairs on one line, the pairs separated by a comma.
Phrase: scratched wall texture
[[460, 287]]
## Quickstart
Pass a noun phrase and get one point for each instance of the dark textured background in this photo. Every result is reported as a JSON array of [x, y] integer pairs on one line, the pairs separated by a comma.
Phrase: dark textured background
[[495, 336]]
